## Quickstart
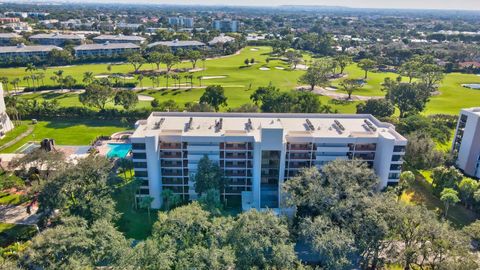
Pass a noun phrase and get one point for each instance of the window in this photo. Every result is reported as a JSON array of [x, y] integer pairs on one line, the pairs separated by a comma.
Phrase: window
[[396, 157], [399, 148], [144, 182], [393, 176], [139, 164], [395, 167], [141, 174], [144, 191], [138, 146], [139, 155]]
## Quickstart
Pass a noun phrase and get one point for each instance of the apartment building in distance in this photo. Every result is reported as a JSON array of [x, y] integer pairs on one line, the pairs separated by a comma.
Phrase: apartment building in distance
[[181, 21], [119, 39], [106, 49], [179, 44], [5, 124], [57, 39], [225, 25], [9, 38], [466, 142], [23, 51], [257, 152]]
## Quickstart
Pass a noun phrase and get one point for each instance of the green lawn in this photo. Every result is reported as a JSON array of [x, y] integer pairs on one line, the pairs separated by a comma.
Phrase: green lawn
[[240, 81], [10, 233], [10, 199], [15, 132], [69, 132], [421, 193]]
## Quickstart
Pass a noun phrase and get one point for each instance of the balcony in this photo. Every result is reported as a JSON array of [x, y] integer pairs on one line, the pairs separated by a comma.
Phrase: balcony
[[170, 146], [171, 155]]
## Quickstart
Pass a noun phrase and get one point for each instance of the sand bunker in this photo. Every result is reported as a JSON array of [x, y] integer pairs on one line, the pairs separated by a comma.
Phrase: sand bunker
[[145, 98], [254, 49], [101, 76], [213, 77], [264, 68], [280, 68]]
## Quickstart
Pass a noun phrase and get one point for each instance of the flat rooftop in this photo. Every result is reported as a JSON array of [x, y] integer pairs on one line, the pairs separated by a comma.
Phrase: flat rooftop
[[24, 48], [474, 110], [119, 37], [251, 124], [177, 43], [58, 36], [106, 46]]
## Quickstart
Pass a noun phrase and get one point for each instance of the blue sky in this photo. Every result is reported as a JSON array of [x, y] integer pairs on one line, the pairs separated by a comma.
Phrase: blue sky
[[416, 4]]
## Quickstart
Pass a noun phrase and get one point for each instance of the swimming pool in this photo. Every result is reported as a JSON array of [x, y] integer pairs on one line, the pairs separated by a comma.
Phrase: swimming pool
[[118, 150]]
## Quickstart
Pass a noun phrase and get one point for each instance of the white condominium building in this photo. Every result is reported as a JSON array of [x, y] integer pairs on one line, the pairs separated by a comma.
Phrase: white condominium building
[[466, 143], [257, 152]]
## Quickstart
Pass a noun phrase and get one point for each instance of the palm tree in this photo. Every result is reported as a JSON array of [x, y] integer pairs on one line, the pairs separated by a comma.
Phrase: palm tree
[[146, 203], [153, 78], [200, 80], [31, 68], [41, 77], [4, 81], [59, 74], [88, 77], [140, 79], [166, 77], [15, 83], [27, 79]]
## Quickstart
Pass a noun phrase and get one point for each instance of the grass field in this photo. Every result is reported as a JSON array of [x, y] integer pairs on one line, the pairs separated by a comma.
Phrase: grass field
[[240, 81], [67, 132], [10, 199]]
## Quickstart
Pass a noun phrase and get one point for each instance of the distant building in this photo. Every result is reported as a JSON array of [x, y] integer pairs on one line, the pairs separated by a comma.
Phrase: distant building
[[57, 39], [179, 44], [257, 152], [49, 24], [105, 50], [466, 143], [225, 25], [76, 24], [18, 27], [9, 20], [5, 123], [119, 39], [181, 22], [26, 52], [222, 39], [130, 26], [9, 39]]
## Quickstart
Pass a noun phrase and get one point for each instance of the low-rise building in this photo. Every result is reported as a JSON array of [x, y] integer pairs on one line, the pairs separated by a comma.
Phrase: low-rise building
[[9, 20], [222, 39], [105, 50], [466, 142], [57, 39], [179, 44], [257, 152], [26, 52], [9, 38], [119, 39]]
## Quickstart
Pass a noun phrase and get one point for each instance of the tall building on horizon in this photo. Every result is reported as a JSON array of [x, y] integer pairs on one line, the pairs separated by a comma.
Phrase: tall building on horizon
[[225, 25], [257, 152]]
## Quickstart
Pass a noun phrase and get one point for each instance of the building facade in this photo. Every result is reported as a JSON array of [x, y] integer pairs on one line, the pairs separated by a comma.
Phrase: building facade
[[181, 22], [119, 39], [257, 152], [5, 123], [225, 25], [466, 142], [57, 39], [9, 39], [105, 50], [26, 52], [179, 44]]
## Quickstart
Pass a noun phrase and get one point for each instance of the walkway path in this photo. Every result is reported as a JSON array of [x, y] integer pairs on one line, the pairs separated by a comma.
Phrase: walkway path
[[17, 139], [17, 214]]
